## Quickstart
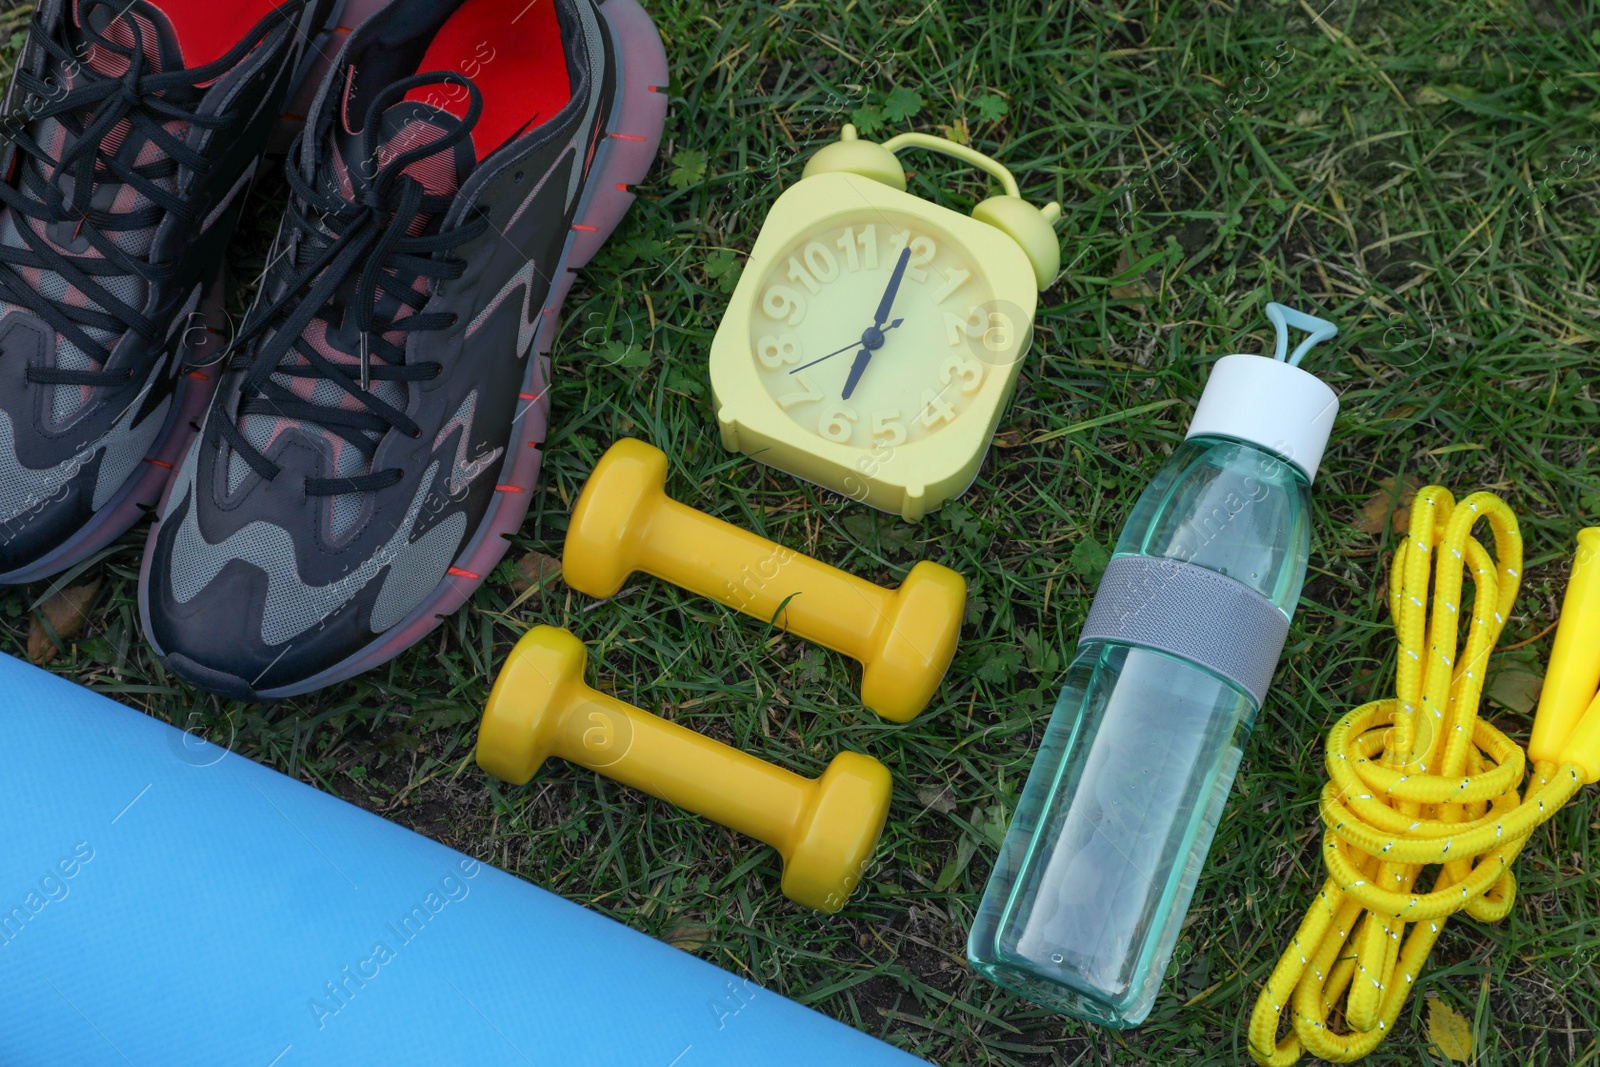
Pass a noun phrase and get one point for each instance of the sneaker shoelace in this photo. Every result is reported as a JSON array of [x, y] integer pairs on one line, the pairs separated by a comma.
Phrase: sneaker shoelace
[[371, 237], [99, 111]]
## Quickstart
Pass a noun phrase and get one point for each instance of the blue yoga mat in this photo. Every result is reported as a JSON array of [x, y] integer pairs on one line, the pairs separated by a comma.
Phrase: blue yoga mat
[[164, 903]]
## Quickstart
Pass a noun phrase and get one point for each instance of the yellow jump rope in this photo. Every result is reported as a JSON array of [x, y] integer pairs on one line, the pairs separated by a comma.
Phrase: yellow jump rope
[[1419, 781]]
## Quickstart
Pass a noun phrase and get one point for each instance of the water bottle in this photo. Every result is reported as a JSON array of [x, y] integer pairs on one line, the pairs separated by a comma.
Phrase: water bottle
[[1095, 875]]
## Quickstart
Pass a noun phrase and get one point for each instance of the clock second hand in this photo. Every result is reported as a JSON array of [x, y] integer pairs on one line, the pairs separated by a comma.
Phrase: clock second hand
[[853, 344]]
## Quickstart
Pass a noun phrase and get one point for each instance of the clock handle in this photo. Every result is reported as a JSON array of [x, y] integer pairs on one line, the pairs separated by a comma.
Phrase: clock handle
[[1032, 228], [958, 151]]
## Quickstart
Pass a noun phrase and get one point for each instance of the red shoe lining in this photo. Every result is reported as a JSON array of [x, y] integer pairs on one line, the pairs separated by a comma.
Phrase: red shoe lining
[[512, 52], [208, 28], [515, 59]]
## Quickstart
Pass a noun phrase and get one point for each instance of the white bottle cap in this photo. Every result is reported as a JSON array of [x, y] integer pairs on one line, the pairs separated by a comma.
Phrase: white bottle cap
[[1269, 403]]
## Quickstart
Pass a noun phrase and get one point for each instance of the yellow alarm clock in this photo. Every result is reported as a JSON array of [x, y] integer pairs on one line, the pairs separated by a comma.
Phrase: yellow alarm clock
[[874, 337]]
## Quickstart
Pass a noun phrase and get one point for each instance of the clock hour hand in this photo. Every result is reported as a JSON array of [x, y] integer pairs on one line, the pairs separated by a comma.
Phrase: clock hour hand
[[865, 339], [863, 357]]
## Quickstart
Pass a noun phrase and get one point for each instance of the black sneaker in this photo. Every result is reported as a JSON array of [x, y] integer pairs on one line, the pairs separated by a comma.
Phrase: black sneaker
[[135, 129], [377, 438]]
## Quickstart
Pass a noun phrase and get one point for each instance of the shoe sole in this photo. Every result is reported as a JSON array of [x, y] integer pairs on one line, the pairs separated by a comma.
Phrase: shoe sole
[[622, 160], [196, 361]]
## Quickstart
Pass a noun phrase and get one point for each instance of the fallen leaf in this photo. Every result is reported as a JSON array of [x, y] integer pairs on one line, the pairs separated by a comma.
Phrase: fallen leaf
[[1135, 289], [940, 799], [966, 848], [532, 570], [879, 529], [1450, 1031], [67, 610], [991, 823], [1375, 512], [691, 937], [1515, 681], [958, 131]]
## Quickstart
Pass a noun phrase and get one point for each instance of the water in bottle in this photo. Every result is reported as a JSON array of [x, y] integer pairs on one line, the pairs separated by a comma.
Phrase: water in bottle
[[1095, 875]]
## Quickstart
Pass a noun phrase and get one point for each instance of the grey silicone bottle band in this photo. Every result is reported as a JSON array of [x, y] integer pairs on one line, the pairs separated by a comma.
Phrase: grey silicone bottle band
[[1192, 613]]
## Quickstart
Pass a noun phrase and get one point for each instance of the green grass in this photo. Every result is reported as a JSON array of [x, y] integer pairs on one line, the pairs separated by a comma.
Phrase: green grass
[[1422, 172]]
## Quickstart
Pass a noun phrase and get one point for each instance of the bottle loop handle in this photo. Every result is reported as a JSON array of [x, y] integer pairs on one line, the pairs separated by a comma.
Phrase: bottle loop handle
[[1283, 318]]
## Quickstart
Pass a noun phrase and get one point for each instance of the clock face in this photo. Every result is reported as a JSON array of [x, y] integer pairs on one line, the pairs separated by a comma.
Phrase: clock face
[[871, 330]]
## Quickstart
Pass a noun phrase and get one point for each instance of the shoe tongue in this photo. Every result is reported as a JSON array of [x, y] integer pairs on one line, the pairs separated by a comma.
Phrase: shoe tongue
[[403, 129], [115, 24]]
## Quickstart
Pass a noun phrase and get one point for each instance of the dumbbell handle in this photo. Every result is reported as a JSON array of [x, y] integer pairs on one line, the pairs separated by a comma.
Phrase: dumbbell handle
[[682, 767], [625, 522], [825, 828], [756, 576]]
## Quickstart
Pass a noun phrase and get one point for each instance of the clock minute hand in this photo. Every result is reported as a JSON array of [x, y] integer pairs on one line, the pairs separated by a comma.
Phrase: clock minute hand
[[887, 304]]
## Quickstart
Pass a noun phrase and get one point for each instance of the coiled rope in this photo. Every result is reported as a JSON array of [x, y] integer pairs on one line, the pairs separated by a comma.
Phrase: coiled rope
[[1419, 782]]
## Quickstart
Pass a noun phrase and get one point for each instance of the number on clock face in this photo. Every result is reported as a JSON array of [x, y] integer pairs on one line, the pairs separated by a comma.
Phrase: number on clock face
[[846, 375]]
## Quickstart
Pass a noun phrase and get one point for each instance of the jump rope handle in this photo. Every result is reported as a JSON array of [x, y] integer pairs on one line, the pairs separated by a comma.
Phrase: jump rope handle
[[1566, 728]]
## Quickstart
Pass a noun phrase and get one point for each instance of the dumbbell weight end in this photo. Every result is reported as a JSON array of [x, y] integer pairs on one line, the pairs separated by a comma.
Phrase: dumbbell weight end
[[904, 638], [826, 829]]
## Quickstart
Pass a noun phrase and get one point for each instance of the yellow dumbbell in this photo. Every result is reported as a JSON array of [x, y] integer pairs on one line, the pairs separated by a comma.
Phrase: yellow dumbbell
[[625, 522], [825, 828]]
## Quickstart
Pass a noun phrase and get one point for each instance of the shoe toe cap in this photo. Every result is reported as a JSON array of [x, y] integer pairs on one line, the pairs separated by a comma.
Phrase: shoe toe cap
[[210, 679]]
